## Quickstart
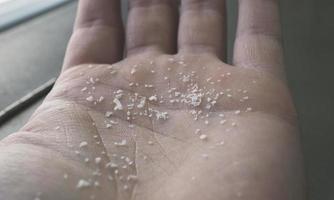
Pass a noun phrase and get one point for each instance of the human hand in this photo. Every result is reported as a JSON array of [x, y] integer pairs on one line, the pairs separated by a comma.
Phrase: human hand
[[170, 120]]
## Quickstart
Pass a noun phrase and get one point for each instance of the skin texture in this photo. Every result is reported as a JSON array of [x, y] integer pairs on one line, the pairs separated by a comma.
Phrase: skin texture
[[254, 155]]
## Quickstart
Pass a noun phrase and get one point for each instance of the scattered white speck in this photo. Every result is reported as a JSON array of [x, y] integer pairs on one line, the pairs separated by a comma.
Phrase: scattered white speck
[[98, 160], [83, 89], [109, 113], [222, 121], [86, 160], [90, 98], [57, 127], [111, 165], [205, 156], [203, 137], [249, 109], [82, 184], [125, 187], [161, 115], [197, 131], [118, 105], [153, 98], [133, 70], [132, 178], [234, 124], [96, 184], [150, 142], [65, 176], [193, 178], [38, 196], [121, 143], [142, 102], [221, 115], [237, 112], [101, 99], [206, 122], [83, 144]]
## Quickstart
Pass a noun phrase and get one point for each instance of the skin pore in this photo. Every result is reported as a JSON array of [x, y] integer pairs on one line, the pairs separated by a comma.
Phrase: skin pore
[[170, 120]]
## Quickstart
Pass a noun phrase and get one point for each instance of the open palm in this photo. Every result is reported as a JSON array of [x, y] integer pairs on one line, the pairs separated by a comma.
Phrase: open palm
[[163, 122]]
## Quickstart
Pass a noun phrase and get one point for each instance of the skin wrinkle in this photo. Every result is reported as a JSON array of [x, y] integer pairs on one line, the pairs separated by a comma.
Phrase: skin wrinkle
[[105, 149]]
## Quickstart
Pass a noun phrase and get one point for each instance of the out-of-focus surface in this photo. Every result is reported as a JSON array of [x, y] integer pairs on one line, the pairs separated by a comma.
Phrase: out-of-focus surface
[[309, 49], [32, 53], [308, 42]]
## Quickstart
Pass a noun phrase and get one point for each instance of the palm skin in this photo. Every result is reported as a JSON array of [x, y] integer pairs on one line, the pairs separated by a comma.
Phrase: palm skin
[[238, 139]]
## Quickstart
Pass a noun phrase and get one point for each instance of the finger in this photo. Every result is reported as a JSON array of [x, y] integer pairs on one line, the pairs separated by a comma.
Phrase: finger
[[258, 38], [152, 26], [98, 34], [203, 27]]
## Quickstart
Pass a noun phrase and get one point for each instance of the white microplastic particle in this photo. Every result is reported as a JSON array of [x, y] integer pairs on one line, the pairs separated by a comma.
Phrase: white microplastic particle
[[97, 184], [108, 114], [249, 109], [125, 187], [90, 98], [101, 99], [205, 156], [133, 70], [83, 144], [118, 105], [222, 121], [203, 137], [132, 178], [237, 112], [82, 184], [197, 131], [83, 89], [57, 127], [121, 143], [98, 160], [153, 98], [65, 176]]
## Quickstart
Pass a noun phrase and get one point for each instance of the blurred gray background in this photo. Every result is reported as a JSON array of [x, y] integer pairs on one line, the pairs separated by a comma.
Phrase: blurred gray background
[[32, 53]]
